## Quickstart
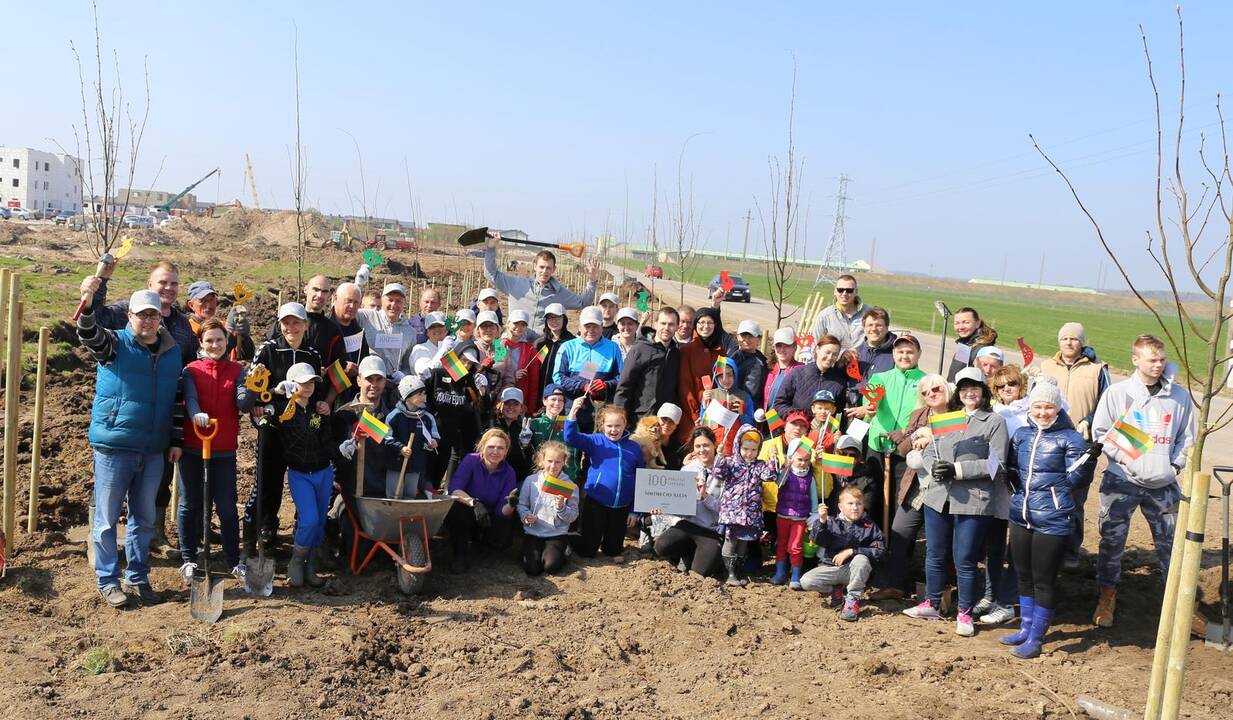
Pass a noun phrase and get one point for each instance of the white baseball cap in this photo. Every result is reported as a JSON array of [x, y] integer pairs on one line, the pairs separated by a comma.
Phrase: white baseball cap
[[519, 316], [434, 318], [610, 297], [749, 327], [409, 385], [591, 315], [372, 365], [466, 315], [394, 288], [487, 316], [471, 354], [488, 293], [302, 372], [971, 374], [555, 309], [145, 300], [629, 313], [293, 309], [511, 393], [784, 336], [670, 411]]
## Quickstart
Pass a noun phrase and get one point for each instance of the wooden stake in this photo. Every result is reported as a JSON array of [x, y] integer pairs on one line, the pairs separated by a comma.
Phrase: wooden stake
[[359, 466], [36, 443], [764, 337], [12, 394], [1184, 602], [5, 277], [1164, 631]]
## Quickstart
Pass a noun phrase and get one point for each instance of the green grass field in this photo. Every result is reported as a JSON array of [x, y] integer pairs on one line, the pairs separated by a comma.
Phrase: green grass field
[[1112, 323]]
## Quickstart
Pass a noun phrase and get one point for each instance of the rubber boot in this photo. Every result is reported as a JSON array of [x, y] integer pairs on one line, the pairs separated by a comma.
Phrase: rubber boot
[[1027, 607], [1105, 606], [781, 573], [795, 582], [159, 542], [297, 567], [1036, 637], [734, 565], [310, 569]]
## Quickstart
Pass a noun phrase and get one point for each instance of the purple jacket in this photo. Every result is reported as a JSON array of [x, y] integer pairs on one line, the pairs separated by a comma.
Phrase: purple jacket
[[474, 479], [798, 495]]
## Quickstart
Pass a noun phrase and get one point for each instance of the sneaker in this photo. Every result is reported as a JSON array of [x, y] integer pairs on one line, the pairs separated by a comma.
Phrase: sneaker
[[144, 592], [851, 609], [982, 607], [114, 596], [836, 598], [924, 611], [998, 615], [963, 624], [645, 543], [240, 572], [187, 570], [681, 566]]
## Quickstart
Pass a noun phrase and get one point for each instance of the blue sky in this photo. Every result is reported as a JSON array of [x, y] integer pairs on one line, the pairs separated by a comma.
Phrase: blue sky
[[540, 116]]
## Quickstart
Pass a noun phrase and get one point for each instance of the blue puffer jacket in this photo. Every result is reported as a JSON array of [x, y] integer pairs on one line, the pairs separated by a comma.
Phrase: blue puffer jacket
[[614, 465], [1039, 459], [134, 396]]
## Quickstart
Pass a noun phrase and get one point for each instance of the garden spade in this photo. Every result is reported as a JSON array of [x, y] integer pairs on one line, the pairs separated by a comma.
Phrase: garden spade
[[205, 601], [259, 571], [479, 235]]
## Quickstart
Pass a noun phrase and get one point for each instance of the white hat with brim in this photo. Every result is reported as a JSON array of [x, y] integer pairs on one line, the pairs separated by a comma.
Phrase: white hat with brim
[[555, 309], [519, 316], [465, 315], [610, 297], [394, 288], [627, 314], [487, 316], [434, 318], [292, 309], [784, 336], [372, 365], [591, 315], [302, 373], [670, 411], [144, 300], [511, 394], [487, 293], [970, 374], [749, 327]]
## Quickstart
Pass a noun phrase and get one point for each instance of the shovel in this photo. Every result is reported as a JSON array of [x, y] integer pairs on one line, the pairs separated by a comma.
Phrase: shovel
[[259, 571], [479, 235], [1218, 635], [205, 601]]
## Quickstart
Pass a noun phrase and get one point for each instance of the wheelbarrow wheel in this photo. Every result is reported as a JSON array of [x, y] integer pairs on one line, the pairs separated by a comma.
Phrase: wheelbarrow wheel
[[413, 552]]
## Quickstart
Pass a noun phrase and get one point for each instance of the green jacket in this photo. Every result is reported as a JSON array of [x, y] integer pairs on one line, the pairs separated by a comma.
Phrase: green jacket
[[543, 429], [895, 407]]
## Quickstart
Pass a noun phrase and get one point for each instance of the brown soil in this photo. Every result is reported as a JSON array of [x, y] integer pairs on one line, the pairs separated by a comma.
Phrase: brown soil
[[603, 640]]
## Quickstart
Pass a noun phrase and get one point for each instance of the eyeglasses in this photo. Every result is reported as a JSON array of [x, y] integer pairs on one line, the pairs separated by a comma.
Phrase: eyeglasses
[[846, 291], [1009, 383], [147, 315]]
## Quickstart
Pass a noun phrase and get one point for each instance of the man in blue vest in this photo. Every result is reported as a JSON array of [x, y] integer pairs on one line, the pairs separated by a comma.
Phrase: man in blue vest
[[132, 425]]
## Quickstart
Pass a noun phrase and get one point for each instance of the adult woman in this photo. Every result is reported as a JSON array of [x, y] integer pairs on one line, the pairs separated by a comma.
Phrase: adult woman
[[782, 363], [824, 373], [963, 498], [1046, 454], [1009, 387], [695, 540], [933, 398], [971, 334], [481, 487], [521, 359], [556, 332], [627, 323], [697, 362], [487, 330]]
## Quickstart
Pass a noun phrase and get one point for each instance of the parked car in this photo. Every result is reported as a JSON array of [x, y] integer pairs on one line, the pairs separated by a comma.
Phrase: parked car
[[654, 271], [4, 213], [18, 213], [45, 214], [138, 221], [63, 217], [740, 289]]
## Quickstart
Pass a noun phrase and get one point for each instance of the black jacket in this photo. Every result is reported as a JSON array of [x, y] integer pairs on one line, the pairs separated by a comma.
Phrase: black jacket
[[323, 334], [648, 379], [805, 381], [751, 369]]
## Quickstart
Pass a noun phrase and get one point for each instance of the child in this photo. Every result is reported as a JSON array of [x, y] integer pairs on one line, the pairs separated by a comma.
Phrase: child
[[821, 426], [410, 421], [724, 385], [848, 546], [615, 459], [304, 437], [740, 505], [522, 358], [549, 424], [547, 513], [797, 501], [866, 476]]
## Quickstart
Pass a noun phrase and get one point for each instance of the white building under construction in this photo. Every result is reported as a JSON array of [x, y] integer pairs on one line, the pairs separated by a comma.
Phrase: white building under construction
[[37, 180]]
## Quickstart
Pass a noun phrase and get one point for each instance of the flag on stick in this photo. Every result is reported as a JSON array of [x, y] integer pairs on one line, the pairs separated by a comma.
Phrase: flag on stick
[[558, 486], [542, 355], [948, 422], [1129, 439], [838, 464], [372, 427], [453, 365], [338, 376], [774, 420], [805, 445]]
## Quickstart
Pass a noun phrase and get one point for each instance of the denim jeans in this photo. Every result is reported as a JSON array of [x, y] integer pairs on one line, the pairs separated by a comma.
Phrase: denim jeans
[[121, 476], [190, 512], [310, 491], [1001, 584], [964, 535]]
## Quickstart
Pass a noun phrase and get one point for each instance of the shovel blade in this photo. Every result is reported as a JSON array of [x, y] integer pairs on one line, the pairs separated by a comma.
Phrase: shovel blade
[[474, 236], [259, 577], [205, 601]]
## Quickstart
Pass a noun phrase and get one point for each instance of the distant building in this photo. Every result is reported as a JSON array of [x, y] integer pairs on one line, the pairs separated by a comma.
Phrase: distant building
[[38, 180], [140, 199]]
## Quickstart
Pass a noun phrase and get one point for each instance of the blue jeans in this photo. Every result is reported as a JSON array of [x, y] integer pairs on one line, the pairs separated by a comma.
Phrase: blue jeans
[[964, 536], [190, 512], [120, 475], [1001, 584], [310, 491]]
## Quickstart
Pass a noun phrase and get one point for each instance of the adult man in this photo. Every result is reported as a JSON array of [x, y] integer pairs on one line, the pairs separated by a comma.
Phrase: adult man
[[430, 302], [845, 318], [390, 336], [131, 427], [428, 353], [589, 351], [609, 303], [803, 383], [1149, 402], [378, 397], [988, 359], [489, 300], [541, 289], [203, 304], [164, 280], [751, 366], [685, 328], [1082, 380], [323, 334], [651, 370], [343, 312]]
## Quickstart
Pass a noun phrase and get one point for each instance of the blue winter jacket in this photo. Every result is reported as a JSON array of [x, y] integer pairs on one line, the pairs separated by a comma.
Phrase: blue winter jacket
[[1041, 481], [135, 395], [573, 357], [610, 480]]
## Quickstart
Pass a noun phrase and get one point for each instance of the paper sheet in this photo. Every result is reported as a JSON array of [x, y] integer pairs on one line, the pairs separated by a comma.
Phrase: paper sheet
[[720, 415], [857, 428], [963, 353]]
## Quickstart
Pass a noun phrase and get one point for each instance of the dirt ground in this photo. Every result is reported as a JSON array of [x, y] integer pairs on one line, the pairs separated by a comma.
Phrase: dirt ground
[[603, 640]]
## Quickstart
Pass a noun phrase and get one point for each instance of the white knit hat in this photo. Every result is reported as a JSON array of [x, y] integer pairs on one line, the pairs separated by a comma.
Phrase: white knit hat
[[1074, 330], [1045, 392]]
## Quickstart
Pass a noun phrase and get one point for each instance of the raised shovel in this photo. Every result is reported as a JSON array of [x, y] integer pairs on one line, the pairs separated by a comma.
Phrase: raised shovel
[[478, 236], [205, 601]]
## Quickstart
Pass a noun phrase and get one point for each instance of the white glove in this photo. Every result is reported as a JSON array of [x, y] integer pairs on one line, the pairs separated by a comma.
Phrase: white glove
[[362, 275], [201, 420], [759, 415], [524, 437], [398, 375], [286, 387], [481, 381], [347, 448], [448, 344]]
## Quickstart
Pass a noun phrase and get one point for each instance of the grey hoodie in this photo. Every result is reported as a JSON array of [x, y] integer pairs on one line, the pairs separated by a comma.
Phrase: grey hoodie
[[1168, 416], [531, 501]]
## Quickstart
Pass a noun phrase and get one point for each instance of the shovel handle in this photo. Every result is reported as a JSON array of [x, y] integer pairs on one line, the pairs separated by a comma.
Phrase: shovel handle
[[205, 439], [103, 262], [1226, 482]]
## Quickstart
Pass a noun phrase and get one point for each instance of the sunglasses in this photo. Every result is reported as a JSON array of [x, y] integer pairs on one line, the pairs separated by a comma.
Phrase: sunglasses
[[931, 391], [845, 291], [1008, 384]]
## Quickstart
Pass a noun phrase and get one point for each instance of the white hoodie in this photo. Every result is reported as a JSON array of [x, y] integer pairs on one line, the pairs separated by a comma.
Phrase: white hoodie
[[1168, 416]]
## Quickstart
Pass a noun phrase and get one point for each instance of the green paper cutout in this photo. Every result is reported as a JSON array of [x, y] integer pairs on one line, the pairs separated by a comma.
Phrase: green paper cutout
[[373, 258], [499, 351], [643, 302]]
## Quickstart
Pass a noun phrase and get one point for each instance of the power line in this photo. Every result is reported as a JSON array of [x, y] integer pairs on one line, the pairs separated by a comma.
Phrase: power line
[[837, 245]]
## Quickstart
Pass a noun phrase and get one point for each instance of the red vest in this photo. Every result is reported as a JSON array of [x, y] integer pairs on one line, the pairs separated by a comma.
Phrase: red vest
[[216, 387]]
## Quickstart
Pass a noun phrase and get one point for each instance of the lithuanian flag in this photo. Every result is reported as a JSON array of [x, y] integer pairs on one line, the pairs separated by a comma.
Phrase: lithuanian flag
[[338, 376], [542, 355], [834, 423], [453, 365], [948, 422], [558, 425], [558, 486], [1129, 439], [774, 420], [372, 427], [838, 464], [805, 445]]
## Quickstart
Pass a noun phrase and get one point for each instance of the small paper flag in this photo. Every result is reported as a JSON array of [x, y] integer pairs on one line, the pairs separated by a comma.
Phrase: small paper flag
[[805, 445], [774, 420], [241, 294], [454, 366], [644, 302], [499, 351], [1028, 353], [558, 486], [838, 464], [542, 355], [1129, 439], [726, 282], [854, 368], [948, 422], [372, 427], [338, 376], [372, 258], [451, 325]]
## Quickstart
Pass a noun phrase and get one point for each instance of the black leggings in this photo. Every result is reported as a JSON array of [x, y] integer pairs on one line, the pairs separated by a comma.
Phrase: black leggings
[[685, 538], [543, 555], [1037, 559], [601, 528], [460, 521]]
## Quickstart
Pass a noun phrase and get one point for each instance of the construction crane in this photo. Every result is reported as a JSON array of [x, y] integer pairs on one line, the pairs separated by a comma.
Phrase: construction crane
[[166, 207], [252, 181]]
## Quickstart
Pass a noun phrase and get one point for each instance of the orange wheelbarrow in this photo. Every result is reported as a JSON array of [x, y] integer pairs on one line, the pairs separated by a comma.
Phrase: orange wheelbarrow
[[401, 529]]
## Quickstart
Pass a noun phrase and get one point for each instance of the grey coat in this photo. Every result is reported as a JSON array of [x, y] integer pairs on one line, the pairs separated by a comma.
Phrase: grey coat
[[525, 294], [972, 492]]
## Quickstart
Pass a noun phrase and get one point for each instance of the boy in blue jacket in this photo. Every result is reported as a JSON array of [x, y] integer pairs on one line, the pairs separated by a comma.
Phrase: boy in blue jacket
[[410, 422], [615, 459], [848, 546]]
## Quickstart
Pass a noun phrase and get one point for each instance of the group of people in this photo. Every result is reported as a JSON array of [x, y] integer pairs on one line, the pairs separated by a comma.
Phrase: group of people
[[537, 434]]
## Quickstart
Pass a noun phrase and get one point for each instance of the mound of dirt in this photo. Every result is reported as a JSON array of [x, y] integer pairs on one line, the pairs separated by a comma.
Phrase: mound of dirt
[[251, 228]]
